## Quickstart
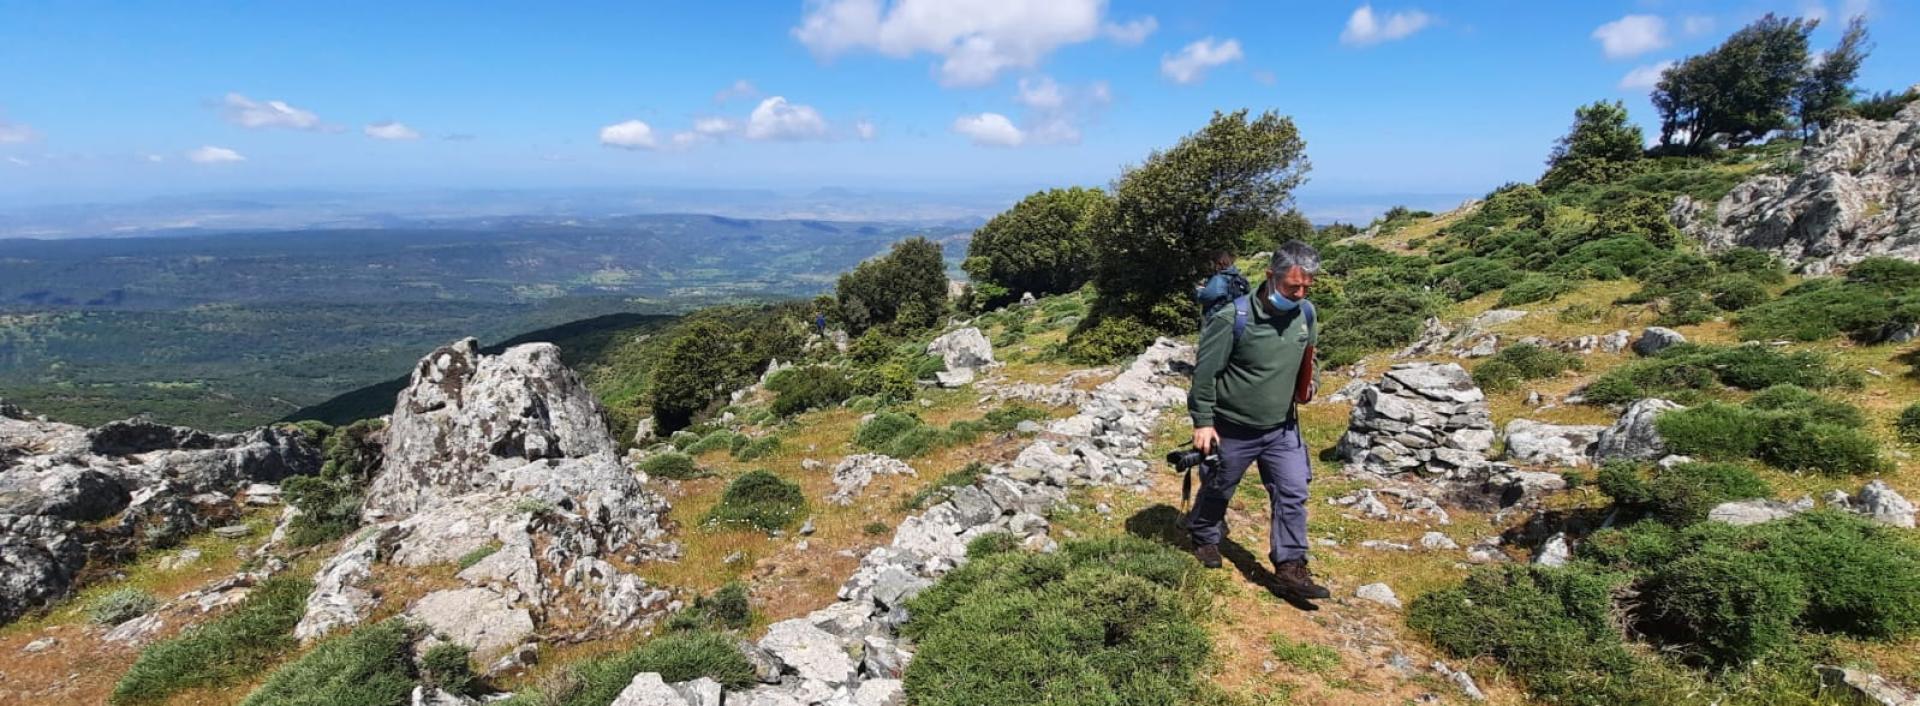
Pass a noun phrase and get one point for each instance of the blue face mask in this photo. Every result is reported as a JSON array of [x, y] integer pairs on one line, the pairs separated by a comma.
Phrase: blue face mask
[[1281, 303]]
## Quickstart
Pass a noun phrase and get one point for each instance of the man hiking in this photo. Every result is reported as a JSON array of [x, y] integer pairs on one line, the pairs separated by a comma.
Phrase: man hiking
[[1222, 288], [1254, 367]]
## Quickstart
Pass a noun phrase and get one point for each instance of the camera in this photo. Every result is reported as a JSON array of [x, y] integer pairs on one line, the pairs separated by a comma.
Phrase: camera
[[1183, 459]]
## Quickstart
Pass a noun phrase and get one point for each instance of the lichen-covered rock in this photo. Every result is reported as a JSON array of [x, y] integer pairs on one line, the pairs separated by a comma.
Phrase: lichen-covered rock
[[963, 349], [1634, 437], [39, 558], [810, 652], [1539, 444], [476, 618], [1883, 504], [1741, 513], [1857, 196], [853, 473], [466, 418], [1656, 339]]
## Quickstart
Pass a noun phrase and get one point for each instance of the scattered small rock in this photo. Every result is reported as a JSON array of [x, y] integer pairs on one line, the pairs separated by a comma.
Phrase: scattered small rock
[[1378, 593]]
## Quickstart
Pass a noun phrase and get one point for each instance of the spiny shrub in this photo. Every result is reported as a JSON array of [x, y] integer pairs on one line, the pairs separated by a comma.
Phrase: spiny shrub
[[1534, 288], [1522, 362], [1685, 307], [370, 665], [677, 466], [1791, 439], [227, 650], [1370, 314], [1764, 267], [1100, 622], [714, 441], [1549, 626], [1877, 296], [1862, 579], [1679, 272], [757, 449], [1683, 494], [1907, 427], [1684, 371], [1470, 277], [676, 657], [1608, 259], [1794, 398], [761, 500], [448, 667], [1735, 292], [329, 503], [726, 608], [120, 606], [797, 390], [1733, 606], [992, 543]]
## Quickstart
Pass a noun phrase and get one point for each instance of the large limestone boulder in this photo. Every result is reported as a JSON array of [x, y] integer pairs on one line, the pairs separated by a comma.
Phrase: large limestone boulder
[[1857, 196], [1539, 444], [853, 473], [466, 418], [1428, 418], [1634, 437], [966, 352], [1656, 339]]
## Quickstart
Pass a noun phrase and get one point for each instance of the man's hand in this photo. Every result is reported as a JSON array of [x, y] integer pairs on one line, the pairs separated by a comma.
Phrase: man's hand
[[1205, 439]]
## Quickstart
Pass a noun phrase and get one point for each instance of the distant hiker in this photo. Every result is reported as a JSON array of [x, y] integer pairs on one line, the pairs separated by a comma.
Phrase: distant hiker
[[820, 323], [1222, 288], [1254, 368]]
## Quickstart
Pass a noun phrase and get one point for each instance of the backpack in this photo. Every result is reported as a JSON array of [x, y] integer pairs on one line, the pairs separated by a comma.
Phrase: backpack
[[1237, 287]]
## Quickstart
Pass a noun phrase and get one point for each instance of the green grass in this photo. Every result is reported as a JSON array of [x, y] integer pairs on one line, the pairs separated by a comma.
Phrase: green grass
[[229, 649], [677, 657], [371, 666], [1304, 656], [120, 606]]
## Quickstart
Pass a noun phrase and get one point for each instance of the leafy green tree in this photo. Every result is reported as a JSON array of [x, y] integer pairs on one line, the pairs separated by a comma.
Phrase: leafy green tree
[[1738, 91], [1287, 226], [905, 288], [696, 369], [1041, 245], [1602, 146], [1826, 93], [1168, 213]]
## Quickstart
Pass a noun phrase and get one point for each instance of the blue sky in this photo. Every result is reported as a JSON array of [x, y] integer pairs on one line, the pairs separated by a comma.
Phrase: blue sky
[[1397, 100]]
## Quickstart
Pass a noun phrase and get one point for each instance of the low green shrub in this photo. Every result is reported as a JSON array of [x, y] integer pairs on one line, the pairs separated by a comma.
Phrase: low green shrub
[[673, 465], [1712, 430], [1470, 277], [726, 608], [227, 650], [714, 441], [875, 528], [1735, 292], [799, 389], [119, 606], [761, 500], [1683, 494], [476, 556], [448, 667], [1907, 427], [1877, 295], [992, 543], [1797, 399], [1519, 363], [1685, 307], [1862, 579], [1732, 606], [1793, 439], [1100, 622], [676, 657], [1764, 267], [756, 449], [1685, 371], [1534, 287], [371, 665], [1372, 313]]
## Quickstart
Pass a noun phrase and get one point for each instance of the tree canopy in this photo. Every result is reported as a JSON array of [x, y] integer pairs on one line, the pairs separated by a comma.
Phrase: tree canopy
[[1738, 91], [1603, 145], [905, 288], [1042, 245]]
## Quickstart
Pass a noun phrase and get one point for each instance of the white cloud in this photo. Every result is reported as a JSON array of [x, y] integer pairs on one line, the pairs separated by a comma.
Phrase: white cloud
[[1643, 78], [740, 89], [776, 119], [248, 113], [1130, 33], [989, 130], [16, 161], [1365, 28], [1696, 25], [1191, 63], [1040, 94], [1632, 35], [391, 130], [154, 158], [714, 127], [213, 155], [977, 39], [864, 129], [1815, 11], [631, 135], [16, 133]]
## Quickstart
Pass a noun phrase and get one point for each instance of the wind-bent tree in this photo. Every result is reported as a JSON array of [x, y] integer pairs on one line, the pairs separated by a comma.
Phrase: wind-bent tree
[[1738, 91], [1826, 94]]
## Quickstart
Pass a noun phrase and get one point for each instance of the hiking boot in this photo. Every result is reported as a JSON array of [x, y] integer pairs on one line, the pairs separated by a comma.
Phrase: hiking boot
[[1208, 554], [1298, 582]]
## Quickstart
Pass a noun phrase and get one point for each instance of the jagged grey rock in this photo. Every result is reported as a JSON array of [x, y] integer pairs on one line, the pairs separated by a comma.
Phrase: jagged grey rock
[[810, 652], [1436, 540], [1656, 339], [430, 696], [476, 618], [963, 349], [853, 473], [1461, 679], [1741, 513], [880, 692], [1882, 503], [466, 418], [1540, 444], [1855, 197], [1634, 436], [1378, 593], [1556, 551], [1867, 685], [647, 689]]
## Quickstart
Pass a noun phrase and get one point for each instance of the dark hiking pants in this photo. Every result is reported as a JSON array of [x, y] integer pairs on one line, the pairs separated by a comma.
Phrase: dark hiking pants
[[1284, 472]]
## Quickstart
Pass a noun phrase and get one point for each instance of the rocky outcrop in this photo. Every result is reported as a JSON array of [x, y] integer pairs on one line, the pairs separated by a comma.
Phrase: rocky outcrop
[[1879, 502], [466, 418], [853, 473], [1857, 196], [1538, 444], [1741, 513], [966, 353], [501, 461], [849, 652], [1427, 418], [151, 483], [1634, 437], [1656, 339]]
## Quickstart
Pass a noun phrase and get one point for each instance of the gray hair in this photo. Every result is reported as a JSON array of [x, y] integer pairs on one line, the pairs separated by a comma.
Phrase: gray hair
[[1293, 254]]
